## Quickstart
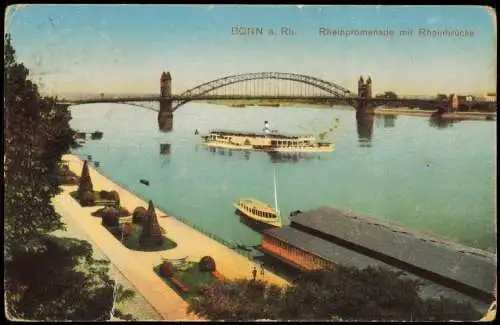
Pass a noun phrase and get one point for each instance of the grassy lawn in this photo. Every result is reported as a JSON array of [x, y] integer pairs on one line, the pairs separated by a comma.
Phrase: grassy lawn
[[132, 241], [190, 277]]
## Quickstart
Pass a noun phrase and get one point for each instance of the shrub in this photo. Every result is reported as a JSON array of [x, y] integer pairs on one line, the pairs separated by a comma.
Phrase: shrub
[[104, 195], [87, 199], [167, 269], [138, 214], [124, 212], [126, 229], [110, 219], [113, 195], [206, 264]]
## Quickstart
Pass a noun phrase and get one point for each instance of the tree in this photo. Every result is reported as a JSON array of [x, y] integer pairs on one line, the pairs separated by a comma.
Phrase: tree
[[343, 292], [73, 286], [85, 186], [442, 97], [46, 278], [390, 94]]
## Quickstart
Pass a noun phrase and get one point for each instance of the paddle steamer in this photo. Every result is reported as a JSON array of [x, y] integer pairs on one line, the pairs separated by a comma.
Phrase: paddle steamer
[[265, 141]]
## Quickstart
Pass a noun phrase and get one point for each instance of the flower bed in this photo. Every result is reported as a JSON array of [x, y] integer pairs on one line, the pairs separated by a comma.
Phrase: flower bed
[[97, 200], [131, 240], [189, 277]]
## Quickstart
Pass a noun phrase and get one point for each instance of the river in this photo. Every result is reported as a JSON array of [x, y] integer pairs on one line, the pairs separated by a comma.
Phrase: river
[[438, 178]]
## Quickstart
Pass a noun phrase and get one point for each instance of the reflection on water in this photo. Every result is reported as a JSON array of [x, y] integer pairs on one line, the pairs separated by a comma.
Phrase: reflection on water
[[165, 148], [390, 121], [274, 157], [294, 157], [438, 122], [385, 121], [364, 124]]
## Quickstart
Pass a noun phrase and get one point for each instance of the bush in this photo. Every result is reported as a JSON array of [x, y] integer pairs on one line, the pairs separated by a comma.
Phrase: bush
[[124, 212], [111, 219], [127, 229], [206, 264], [343, 292], [138, 215], [104, 195], [113, 195], [87, 199], [167, 269]]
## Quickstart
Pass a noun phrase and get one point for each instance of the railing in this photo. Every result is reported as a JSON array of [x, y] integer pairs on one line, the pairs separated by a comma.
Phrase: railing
[[214, 237]]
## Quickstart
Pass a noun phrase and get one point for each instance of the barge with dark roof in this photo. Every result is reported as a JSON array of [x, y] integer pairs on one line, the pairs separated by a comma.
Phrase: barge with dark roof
[[325, 237]]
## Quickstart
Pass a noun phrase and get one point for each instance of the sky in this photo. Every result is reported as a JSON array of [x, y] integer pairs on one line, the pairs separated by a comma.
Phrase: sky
[[124, 48]]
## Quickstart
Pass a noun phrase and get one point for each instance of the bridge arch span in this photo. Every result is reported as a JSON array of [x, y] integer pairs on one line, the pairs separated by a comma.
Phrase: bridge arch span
[[204, 88]]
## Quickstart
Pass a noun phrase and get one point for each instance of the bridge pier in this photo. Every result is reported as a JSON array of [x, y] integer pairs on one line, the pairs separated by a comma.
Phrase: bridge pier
[[165, 116], [364, 124]]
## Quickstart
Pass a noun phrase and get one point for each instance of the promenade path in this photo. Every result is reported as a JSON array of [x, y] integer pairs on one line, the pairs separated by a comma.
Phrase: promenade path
[[137, 266]]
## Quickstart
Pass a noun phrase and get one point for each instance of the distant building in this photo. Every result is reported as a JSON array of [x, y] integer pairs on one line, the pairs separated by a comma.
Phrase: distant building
[[490, 97], [325, 237]]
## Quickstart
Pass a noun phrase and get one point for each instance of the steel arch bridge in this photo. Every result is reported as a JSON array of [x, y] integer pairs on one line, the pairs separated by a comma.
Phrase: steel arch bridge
[[201, 91]]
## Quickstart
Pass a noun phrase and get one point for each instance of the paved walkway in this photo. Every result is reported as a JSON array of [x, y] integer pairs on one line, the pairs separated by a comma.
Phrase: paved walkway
[[136, 266]]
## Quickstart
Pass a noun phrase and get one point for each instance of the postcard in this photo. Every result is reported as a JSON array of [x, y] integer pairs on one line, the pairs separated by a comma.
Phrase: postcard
[[250, 162]]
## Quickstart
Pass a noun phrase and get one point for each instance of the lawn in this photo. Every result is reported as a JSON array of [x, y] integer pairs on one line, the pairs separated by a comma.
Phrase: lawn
[[191, 277], [132, 241]]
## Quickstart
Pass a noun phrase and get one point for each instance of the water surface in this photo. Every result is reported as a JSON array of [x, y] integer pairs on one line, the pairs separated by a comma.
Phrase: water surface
[[436, 178]]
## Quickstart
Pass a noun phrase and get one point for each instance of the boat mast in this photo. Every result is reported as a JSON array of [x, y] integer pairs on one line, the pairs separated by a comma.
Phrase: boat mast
[[276, 196]]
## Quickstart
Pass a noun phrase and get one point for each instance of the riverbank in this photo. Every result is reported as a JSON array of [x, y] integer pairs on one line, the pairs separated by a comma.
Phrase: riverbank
[[458, 116], [137, 266], [482, 116]]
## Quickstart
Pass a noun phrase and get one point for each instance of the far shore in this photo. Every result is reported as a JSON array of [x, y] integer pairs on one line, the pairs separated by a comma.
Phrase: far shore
[[381, 111]]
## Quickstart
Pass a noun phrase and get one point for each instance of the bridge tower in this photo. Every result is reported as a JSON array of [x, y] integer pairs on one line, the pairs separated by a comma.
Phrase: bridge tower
[[364, 93], [369, 87], [361, 86], [165, 116]]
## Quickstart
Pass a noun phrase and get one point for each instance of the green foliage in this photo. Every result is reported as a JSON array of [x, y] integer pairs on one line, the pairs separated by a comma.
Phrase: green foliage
[[63, 282], [36, 134], [46, 278], [138, 215], [341, 293]]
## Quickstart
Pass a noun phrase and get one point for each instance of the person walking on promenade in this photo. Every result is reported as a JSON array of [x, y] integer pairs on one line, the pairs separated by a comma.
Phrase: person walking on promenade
[[262, 269], [254, 273]]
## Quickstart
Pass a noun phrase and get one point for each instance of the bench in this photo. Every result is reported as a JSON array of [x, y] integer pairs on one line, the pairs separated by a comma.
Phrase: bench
[[179, 285], [218, 276]]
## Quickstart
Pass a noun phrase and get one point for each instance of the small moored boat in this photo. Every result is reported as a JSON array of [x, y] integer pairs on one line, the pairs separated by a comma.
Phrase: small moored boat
[[260, 212]]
